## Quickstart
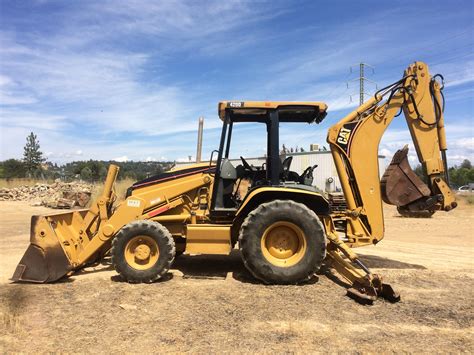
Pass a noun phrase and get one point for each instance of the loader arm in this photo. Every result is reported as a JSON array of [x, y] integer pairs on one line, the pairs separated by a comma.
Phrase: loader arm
[[354, 143]]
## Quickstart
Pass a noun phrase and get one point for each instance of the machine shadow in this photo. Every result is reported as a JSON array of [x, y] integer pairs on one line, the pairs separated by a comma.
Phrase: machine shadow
[[209, 266], [166, 277], [219, 267], [373, 261]]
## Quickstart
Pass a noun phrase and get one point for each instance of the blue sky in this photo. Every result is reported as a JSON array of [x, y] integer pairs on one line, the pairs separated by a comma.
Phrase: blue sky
[[129, 79]]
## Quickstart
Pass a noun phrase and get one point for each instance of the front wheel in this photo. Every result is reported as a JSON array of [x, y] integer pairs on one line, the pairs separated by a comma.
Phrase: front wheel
[[282, 242], [142, 251]]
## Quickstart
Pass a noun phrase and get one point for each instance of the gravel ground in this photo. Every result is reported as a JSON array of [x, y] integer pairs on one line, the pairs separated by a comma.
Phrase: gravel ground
[[211, 304]]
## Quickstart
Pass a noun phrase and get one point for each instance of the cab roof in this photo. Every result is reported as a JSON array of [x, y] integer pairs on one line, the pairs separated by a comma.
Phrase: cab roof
[[288, 111]]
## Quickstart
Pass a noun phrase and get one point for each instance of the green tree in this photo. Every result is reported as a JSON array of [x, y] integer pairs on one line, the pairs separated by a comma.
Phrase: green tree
[[470, 176], [466, 164], [86, 174], [421, 173], [13, 168], [32, 155]]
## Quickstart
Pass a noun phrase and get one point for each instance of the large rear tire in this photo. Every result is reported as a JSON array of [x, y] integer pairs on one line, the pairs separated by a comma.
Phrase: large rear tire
[[142, 251], [282, 242]]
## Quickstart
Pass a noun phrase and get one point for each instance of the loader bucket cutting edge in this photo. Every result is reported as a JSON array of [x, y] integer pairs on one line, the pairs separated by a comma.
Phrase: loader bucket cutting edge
[[44, 259]]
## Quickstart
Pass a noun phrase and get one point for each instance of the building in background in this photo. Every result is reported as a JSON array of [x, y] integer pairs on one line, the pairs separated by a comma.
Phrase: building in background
[[325, 175]]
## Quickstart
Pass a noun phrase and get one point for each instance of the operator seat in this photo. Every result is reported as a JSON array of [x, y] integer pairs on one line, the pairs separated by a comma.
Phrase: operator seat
[[285, 168], [225, 186], [285, 173]]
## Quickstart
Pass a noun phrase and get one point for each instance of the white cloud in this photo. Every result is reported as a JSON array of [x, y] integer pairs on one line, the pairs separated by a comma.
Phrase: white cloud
[[186, 160], [386, 152], [104, 79], [5, 80], [11, 93], [456, 74], [105, 89], [31, 120], [121, 159]]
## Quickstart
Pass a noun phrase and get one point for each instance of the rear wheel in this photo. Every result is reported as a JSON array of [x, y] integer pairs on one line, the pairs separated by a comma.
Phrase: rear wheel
[[282, 242], [142, 251]]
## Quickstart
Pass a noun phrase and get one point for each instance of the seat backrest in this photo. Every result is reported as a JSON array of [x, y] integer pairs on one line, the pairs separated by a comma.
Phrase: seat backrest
[[285, 166]]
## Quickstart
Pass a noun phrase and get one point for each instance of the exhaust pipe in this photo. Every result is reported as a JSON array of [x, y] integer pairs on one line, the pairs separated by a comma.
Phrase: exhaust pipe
[[199, 140]]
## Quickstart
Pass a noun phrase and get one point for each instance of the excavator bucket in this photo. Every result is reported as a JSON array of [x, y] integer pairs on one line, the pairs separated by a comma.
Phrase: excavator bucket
[[400, 185], [47, 258]]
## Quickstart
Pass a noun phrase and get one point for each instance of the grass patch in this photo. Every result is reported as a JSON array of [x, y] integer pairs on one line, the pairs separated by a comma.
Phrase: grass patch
[[121, 187], [469, 199], [12, 183]]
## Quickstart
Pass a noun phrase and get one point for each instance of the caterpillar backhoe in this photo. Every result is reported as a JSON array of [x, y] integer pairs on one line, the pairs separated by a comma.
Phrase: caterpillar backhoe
[[283, 227]]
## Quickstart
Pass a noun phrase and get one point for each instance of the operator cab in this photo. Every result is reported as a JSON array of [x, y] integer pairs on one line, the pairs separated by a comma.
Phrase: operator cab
[[274, 171]]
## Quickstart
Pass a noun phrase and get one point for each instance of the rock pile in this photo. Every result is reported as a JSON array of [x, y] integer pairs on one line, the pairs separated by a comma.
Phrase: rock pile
[[56, 195]]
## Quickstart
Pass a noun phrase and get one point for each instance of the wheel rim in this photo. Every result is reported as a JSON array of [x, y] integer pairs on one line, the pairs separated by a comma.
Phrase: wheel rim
[[141, 252], [283, 244]]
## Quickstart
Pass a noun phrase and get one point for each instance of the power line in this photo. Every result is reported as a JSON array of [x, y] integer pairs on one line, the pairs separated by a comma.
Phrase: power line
[[337, 86]]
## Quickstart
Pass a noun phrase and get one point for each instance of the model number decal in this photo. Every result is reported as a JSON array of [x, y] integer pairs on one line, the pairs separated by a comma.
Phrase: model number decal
[[133, 203], [235, 104]]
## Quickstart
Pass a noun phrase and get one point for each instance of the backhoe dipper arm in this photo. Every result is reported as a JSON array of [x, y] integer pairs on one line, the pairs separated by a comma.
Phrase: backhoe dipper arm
[[354, 143]]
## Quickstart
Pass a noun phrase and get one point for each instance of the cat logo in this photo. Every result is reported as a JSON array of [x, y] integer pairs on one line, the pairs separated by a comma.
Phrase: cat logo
[[343, 137]]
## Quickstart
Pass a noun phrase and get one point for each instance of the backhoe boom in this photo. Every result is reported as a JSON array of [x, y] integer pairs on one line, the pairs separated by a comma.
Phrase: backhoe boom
[[354, 143]]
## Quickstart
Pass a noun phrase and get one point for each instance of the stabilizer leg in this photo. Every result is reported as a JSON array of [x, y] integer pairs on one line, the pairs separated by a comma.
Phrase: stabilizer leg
[[365, 286]]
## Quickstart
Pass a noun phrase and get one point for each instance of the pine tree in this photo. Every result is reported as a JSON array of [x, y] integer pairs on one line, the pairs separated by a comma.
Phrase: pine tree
[[32, 156]]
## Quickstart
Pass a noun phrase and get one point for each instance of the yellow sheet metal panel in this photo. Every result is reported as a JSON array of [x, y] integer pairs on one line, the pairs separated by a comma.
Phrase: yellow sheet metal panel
[[208, 239]]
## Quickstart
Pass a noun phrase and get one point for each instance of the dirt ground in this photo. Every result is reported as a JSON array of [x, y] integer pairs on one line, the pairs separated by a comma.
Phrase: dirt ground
[[211, 304]]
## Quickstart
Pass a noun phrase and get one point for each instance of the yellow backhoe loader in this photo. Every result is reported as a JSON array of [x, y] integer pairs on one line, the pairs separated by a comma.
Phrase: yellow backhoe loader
[[284, 228]]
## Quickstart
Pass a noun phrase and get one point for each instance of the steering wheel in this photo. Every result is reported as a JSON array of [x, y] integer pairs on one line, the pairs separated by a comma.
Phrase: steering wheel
[[246, 165], [308, 173]]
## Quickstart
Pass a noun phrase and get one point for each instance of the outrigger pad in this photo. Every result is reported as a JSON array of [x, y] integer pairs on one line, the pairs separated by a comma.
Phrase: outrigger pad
[[363, 296], [390, 294], [367, 294], [400, 185]]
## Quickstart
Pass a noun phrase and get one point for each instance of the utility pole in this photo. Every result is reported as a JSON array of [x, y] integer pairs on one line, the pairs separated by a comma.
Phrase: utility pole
[[361, 83], [362, 79]]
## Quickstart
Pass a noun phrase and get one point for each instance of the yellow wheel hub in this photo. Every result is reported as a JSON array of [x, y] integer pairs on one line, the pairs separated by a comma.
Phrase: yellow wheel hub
[[283, 244], [141, 252]]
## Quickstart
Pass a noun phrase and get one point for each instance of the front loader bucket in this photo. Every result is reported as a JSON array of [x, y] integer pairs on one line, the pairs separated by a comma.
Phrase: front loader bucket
[[47, 258], [62, 243], [400, 185]]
